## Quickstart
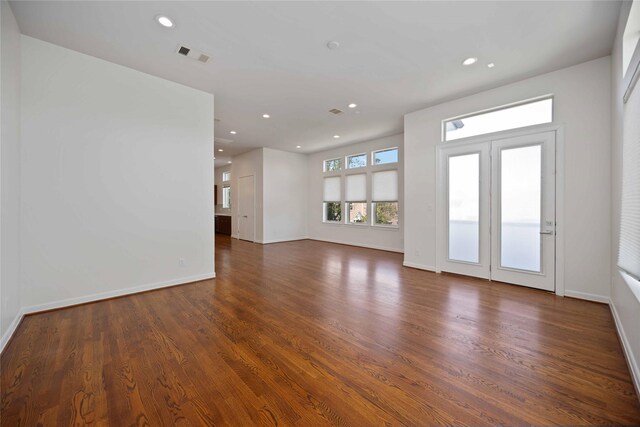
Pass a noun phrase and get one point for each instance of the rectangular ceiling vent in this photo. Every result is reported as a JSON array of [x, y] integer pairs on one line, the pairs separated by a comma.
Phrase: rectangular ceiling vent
[[222, 140], [193, 54], [336, 111]]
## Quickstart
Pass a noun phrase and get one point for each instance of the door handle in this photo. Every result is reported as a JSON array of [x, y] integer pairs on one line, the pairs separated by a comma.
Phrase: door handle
[[244, 216], [547, 232]]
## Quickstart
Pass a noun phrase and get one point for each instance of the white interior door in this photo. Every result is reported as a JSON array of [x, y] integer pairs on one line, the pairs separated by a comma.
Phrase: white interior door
[[497, 210], [246, 208], [523, 210]]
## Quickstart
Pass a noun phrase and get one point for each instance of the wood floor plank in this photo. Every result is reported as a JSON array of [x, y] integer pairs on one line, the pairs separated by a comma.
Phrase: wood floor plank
[[311, 333]]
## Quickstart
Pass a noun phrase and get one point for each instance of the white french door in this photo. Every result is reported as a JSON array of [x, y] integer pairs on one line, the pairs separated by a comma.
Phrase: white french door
[[498, 209]]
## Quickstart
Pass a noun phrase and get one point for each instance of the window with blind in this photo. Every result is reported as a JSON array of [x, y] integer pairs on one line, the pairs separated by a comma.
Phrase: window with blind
[[384, 196], [332, 206], [629, 253], [629, 249], [356, 199]]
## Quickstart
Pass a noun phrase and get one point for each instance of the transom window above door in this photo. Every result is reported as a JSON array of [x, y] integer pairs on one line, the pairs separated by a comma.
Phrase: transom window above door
[[527, 113]]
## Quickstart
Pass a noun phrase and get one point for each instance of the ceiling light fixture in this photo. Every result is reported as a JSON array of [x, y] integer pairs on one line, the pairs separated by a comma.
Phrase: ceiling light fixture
[[220, 150], [353, 105], [165, 21], [229, 162], [333, 45], [298, 146], [336, 136], [233, 132], [470, 61], [491, 65], [266, 116]]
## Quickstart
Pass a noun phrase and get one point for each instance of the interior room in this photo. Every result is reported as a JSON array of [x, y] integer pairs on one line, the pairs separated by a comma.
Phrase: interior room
[[320, 213]]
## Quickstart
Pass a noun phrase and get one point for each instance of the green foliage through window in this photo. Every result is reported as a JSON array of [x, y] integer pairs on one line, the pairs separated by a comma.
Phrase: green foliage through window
[[332, 165], [333, 211], [386, 213]]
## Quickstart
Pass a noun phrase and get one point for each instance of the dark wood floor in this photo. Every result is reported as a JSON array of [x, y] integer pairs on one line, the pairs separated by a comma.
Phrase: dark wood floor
[[309, 333]]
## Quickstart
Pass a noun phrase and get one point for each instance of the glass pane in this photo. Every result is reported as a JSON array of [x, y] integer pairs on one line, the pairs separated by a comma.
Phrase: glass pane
[[464, 208], [332, 165], [226, 176], [520, 198], [518, 116], [357, 213], [333, 211], [386, 213], [357, 161], [226, 197], [385, 156]]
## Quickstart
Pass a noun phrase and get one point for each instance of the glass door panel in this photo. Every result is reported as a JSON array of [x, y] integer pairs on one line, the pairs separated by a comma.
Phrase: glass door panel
[[520, 192], [464, 207]]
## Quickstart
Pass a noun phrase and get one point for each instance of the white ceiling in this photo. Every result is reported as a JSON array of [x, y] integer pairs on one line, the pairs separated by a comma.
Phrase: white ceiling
[[271, 57]]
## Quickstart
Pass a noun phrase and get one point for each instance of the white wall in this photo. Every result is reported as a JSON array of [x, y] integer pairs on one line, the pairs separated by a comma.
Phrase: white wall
[[582, 104], [117, 175], [245, 165], [284, 196], [218, 181], [10, 172], [624, 304], [367, 236]]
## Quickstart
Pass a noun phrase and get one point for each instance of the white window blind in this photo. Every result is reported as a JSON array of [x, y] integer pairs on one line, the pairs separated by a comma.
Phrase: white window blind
[[384, 186], [332, 189], [629, 251], [356, 189]]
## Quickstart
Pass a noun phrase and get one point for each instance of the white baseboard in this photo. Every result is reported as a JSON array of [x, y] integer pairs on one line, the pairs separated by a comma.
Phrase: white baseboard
[[11, 330], [586, 296], [419, 266], [634, 368], [292, 239], [341, 242], [96, 297]]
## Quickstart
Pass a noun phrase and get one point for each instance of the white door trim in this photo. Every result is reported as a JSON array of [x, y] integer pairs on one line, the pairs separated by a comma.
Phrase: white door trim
[[560, 191]]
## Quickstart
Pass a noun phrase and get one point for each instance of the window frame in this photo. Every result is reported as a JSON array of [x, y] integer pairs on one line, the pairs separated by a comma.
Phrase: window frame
[[443, 124], [228, 197], [346, 161], [324, 165], [373, 156], [348, 210], [226, 174], [374, 216], [368, 172]]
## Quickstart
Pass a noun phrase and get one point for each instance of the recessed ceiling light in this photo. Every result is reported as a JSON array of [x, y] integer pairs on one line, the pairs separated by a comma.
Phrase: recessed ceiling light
[[470, 61], [233, 132], [165, 21], [353, 105], [336, 136], [220, 150], [229, 162], [298, 146], [266, 116], [491, 65]]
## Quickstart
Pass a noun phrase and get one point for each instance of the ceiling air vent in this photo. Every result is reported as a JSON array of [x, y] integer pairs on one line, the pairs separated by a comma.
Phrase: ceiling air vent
[[222, 140], [193, 54], [336, 111]]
